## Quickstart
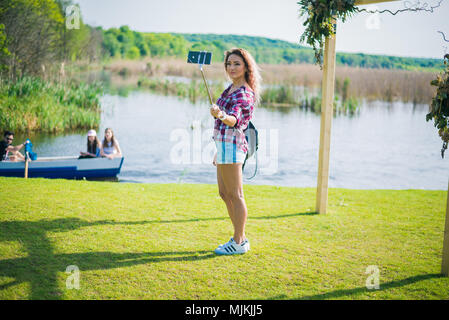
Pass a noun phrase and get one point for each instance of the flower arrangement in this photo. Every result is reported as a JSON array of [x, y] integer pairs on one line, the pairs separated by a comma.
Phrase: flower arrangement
[[439, 107], [319, 21]]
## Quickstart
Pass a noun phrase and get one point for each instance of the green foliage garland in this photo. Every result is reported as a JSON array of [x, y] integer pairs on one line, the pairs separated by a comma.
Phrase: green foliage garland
[[319, 24], [439, 107]]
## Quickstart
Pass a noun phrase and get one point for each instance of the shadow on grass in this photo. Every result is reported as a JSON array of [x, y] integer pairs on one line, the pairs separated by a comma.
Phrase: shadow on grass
[[350, 292], [41, 265], [288, 215]]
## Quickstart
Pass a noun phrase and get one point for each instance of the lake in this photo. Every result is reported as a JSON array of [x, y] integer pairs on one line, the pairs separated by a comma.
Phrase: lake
[[168, 140]]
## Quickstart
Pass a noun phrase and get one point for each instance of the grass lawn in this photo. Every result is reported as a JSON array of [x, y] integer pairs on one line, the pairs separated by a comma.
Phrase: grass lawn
[[156, 241]]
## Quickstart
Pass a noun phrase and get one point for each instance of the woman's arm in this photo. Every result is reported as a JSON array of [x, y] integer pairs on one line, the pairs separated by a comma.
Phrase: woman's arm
[[87, 154], [102, 154], [98, 150], [119, 151], [230, 120]]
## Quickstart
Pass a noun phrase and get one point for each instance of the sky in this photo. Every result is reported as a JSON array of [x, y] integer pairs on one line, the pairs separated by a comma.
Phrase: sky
[[409, 34]]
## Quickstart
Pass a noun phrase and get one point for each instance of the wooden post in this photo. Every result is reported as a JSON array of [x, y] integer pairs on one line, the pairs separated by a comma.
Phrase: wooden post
[[327, 101], [26, 168], [365, 2], [445, 262], [27, 158]]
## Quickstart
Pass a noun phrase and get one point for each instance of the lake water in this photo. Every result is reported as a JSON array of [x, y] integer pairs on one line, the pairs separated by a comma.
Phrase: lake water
[[165, 139]]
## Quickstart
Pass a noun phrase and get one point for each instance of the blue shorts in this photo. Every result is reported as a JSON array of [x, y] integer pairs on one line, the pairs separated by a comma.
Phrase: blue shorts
[[228, 153]]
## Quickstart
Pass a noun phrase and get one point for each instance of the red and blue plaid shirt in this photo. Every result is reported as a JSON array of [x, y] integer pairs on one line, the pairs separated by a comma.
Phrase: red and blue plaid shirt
[[239, 104]]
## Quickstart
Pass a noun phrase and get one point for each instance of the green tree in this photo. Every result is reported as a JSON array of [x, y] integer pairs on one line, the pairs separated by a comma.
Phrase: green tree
[[4, 52], [133, 53], [37, 36]]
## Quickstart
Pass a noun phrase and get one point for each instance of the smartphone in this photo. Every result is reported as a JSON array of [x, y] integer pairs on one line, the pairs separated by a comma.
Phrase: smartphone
[[199, 57]]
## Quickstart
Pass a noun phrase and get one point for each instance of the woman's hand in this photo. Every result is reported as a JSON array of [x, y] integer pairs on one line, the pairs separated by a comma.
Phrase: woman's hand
[[214, 162], [215, 110]]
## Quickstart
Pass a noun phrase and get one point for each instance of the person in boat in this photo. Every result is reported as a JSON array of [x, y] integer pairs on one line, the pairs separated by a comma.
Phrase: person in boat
[[110, 147], [232, 113], [9, 152], [93, 146]]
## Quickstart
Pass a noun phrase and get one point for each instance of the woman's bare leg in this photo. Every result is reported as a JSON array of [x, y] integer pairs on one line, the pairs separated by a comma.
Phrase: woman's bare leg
[[223, 193], [231, 175]]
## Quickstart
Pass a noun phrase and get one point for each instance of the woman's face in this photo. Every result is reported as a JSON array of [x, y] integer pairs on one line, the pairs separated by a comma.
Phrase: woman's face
[[108, 134], [235, 67], [91, 138]]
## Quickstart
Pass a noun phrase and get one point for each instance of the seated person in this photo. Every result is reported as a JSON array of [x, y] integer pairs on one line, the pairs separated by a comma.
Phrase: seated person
[[6, 148], [93, 146], [110, 147]]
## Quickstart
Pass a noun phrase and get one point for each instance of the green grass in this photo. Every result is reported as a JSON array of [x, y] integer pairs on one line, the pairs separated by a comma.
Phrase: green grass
[[156, 241]]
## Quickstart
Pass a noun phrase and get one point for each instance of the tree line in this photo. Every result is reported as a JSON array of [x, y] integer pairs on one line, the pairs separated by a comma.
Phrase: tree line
[[122, 42], [35, 38]]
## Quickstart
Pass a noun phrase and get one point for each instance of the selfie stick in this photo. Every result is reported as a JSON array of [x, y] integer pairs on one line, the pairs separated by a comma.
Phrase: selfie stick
[[204, 78]]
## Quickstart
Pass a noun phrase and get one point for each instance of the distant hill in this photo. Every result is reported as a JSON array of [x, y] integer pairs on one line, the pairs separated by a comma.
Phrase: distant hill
[[125, 43], [273, 51]]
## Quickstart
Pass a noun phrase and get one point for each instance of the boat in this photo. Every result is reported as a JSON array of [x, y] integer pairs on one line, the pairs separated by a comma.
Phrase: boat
[[64, 168]]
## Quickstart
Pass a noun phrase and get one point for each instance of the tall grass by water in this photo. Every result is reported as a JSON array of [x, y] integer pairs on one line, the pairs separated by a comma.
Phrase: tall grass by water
[[272, 96], [32, 104], [193, 90], [370, 84]]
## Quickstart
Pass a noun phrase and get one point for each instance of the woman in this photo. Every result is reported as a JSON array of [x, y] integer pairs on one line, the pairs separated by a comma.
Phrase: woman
[[233, 111], [110, 147], [93, 145]]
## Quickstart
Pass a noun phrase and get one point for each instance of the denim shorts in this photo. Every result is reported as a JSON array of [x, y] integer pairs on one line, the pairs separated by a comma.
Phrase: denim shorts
[[228, 153]]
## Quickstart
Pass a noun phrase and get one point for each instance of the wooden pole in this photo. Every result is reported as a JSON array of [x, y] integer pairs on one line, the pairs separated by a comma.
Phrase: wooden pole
[[207, 87], [26, 165], [445, 262], [327, 100], [365, 2]]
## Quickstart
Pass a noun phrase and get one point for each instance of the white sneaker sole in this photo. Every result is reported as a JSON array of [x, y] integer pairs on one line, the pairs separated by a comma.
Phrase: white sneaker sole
[[230, 249]]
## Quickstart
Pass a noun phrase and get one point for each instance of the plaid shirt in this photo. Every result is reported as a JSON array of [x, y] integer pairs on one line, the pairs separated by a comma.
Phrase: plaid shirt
[[239, 104]]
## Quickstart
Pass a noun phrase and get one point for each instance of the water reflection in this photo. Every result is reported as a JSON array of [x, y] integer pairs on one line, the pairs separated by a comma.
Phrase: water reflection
[[384, 146]]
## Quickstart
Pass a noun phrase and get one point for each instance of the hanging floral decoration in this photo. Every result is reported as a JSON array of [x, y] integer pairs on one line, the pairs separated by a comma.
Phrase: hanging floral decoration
[[439, 107], [319, 21]]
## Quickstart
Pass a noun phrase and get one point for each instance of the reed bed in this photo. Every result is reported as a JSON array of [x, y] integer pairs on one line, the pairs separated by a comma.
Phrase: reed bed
[[272, 96], [187, 83], [32, 104], [370, 84], [193, 90]]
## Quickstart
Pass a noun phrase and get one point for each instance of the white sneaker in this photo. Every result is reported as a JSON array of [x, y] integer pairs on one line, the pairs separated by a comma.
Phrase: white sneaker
[[231, 247], [227, 243]]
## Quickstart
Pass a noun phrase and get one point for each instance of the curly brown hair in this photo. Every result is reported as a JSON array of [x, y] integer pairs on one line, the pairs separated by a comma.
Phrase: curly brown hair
[[252, 75]]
